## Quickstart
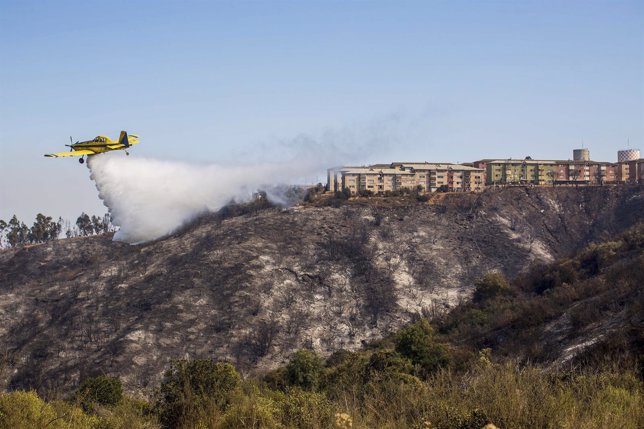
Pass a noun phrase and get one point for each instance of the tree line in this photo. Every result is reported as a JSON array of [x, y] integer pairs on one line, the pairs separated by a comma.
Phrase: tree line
[[44, 229]]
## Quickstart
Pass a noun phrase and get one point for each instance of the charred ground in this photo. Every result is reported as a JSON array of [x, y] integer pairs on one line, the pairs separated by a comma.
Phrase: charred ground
[[253, 288]]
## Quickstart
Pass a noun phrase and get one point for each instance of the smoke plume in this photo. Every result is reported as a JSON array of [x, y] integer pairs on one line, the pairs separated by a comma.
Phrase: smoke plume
[[149, 198]]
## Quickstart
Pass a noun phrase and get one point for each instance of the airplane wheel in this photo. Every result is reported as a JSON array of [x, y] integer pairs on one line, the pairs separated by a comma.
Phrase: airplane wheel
[[81, 160]]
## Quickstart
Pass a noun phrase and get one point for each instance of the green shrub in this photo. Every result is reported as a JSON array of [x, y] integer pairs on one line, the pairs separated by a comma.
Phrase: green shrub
[[26, 410], [129, 413], [305, 370], [252, 411], [598, 256], [387, 363], [416, 343], [346, 369], [544, 279], [101, 390], [492, 285], [191, 386], [306, 410], [276, 379]]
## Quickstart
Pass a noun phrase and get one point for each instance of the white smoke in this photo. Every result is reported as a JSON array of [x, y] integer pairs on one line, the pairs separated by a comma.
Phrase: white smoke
[[150, 198]]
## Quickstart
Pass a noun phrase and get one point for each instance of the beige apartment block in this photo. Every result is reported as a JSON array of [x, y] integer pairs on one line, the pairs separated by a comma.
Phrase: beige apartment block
[[519, 171], [624, 171], [445, 176], [474, 180], [473, 177], [369, 179], [428, 177], [548, 172]]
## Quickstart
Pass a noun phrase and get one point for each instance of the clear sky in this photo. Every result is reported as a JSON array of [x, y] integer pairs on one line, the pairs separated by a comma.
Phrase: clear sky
[[206, 81]]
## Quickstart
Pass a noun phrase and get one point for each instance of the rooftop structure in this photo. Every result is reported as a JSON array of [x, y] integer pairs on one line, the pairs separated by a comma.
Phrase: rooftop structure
[[626, 155], [581, 155]]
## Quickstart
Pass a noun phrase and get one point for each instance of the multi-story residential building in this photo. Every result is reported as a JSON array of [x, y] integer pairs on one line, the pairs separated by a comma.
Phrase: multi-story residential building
[[623, 172], [473, 177], [376, 180], [450, 177], [548, 172], [635, 171], [519, 171], [399, 175]]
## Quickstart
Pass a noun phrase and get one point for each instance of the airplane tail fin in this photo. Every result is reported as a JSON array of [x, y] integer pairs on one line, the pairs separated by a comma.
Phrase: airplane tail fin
[[123, 139]]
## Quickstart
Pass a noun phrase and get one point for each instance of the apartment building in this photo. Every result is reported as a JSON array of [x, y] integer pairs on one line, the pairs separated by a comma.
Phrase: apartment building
[[519, 171], [635, 170], [473, 177], [397, 176], [549, 172], [376, 180], [445, 176]]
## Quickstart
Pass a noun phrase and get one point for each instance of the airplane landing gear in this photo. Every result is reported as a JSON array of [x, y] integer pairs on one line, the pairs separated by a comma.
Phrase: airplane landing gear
[[127, 153], [81, 160]]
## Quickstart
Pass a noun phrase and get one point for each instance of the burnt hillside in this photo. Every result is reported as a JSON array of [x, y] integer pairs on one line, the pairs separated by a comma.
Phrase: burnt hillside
[[253, 288]]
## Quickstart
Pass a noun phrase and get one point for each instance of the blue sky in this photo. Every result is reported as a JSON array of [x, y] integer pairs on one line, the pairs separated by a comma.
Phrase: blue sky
[[214, 82]]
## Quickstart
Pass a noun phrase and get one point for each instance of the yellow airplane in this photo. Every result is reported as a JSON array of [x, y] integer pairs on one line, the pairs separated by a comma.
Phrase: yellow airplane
[[98, 145]]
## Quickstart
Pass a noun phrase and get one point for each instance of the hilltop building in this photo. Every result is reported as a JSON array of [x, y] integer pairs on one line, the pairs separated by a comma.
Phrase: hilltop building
[[429, 177], [548, 172], [475, 176]]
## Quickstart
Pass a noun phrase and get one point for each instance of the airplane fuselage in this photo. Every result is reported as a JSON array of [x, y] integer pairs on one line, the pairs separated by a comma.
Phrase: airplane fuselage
[[100, 144]]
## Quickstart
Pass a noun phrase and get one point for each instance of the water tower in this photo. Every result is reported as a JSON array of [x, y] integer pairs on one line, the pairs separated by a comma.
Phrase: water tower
[[626, 155], [581, 155]]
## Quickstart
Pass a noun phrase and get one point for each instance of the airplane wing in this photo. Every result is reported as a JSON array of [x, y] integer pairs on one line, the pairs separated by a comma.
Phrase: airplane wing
[[116, 146], [73, 153]]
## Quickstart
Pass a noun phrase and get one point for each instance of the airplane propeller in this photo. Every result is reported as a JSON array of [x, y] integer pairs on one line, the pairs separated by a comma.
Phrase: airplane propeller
[[71, 141]]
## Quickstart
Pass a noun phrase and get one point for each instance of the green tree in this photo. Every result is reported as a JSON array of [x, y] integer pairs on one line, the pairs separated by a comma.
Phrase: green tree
[[85, 225], [305, 370], [18, 232], [44, 229], [416, 342]]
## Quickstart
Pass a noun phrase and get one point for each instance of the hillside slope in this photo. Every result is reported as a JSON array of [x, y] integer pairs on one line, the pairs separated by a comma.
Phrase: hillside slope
[[586, 311], [254, 288]]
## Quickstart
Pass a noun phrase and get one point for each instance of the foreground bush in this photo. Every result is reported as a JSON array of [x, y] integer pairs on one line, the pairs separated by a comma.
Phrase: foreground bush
[[26, 410], [304, 370], [416, 342], [192, 388], [99, 390], [507, 395]]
